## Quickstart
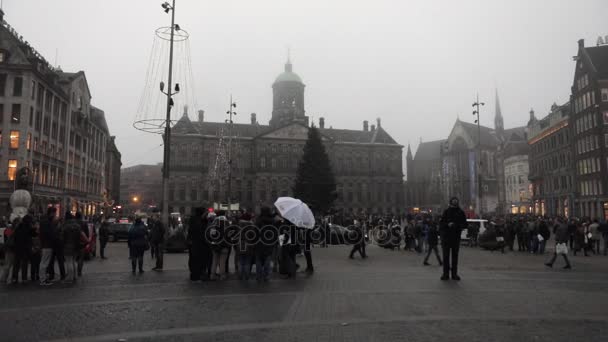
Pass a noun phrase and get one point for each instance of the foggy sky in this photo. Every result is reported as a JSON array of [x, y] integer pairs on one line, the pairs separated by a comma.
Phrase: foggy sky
[[417, 64]]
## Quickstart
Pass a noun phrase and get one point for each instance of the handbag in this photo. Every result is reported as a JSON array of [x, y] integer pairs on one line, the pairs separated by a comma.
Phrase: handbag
[[561, 248]]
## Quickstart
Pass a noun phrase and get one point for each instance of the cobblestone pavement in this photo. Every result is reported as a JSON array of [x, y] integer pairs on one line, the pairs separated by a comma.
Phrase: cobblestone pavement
[[388, 297]]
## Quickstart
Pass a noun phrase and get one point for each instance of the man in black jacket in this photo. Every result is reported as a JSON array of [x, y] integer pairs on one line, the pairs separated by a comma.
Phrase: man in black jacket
[[453, 221], [157, 240]]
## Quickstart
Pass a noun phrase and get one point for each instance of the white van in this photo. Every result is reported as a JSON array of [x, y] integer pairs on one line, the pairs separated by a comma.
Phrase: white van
[[482, 227]]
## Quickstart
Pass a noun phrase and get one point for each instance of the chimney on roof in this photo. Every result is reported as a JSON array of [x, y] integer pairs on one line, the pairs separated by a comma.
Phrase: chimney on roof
[[254, 119], [365, 126], [373, 128], [581, 43], [201, 115], [321, 123], [379, 122]]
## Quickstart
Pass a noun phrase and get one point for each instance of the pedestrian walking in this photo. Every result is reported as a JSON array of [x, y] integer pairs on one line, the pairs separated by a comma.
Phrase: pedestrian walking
[[543, 236], [432, 240], [562, 235], [104, 236], [138, 244], [453, 221], [594, 236], [157, 240], [359, 242]]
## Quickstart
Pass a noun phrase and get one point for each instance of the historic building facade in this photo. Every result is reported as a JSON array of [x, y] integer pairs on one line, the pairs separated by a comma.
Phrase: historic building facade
[[423, 188], [112, 173], [516, 170], [367, 163], [140, 186], [589, 126], [49, 126], [551, 160]]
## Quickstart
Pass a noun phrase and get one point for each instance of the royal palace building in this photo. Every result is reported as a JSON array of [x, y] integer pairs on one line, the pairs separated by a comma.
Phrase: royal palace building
[[264, 159]]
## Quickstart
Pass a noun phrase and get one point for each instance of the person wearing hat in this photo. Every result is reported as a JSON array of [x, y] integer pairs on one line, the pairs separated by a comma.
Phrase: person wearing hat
[[453, 221]]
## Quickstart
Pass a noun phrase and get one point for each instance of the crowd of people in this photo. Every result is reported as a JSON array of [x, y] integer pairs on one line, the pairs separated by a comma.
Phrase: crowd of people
[[267, 242], [35, 248]]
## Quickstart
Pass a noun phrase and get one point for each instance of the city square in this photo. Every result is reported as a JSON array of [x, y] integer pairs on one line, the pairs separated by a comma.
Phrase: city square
[[303, 170], [389, 296]]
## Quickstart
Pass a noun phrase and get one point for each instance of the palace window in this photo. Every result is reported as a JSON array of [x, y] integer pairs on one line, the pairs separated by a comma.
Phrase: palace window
[[12, 169], [16, 113], [604, 94], [14, 140], [17, 86]]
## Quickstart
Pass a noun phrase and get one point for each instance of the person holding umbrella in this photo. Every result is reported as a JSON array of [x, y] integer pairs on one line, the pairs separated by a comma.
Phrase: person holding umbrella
[[300, 216]]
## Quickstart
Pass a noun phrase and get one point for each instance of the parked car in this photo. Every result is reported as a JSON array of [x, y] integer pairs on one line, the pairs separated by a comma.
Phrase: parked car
[[120, 231], [465, 236]]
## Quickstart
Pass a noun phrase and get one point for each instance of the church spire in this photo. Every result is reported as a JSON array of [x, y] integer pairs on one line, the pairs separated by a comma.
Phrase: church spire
[[409, 152], [288, 65], [499, 125]]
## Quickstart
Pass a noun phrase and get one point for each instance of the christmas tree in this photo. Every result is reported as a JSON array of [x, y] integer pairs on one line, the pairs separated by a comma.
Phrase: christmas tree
[[315, 183]]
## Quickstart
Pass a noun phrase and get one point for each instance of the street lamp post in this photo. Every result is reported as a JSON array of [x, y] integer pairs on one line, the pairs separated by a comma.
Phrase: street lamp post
[[476, 105], [167, 138], [229, 121]]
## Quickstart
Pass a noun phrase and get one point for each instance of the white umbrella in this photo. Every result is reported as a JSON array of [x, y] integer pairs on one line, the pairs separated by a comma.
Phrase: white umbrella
[[296, 211]]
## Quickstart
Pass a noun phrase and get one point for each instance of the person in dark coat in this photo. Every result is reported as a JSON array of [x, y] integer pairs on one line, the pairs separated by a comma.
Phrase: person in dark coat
[[138, 243], [72, 235], [359, 243], [432, 239], [104, 236], [195, 241], [453, 221], [157, 241], [562, 235], [23, 248], [48, 227], [545, 233], [267, 240]]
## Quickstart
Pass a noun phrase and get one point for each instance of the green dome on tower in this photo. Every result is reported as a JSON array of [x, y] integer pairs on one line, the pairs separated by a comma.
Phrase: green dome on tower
[[288, 75]]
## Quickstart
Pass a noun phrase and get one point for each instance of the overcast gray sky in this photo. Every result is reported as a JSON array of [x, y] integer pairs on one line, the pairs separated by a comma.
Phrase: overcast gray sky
[[417, 64]]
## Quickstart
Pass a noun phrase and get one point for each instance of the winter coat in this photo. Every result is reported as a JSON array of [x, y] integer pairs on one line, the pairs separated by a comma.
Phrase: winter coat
[[157, 231], [48, 232], [138, 240], [23, 239], [544, 231], [453, 221], [72, 235], [562, 235], [432, 235], [104, 232]]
